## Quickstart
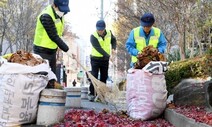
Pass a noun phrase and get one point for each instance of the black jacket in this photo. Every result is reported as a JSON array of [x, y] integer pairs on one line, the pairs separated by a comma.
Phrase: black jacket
[[51, 30]]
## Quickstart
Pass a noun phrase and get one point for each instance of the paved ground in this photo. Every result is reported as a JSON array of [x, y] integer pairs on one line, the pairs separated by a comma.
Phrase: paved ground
[[97, 106], [87, 105], [176, 119]]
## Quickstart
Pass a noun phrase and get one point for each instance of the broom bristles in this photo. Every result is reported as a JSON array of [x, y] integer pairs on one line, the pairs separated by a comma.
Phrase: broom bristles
[[104, 93]]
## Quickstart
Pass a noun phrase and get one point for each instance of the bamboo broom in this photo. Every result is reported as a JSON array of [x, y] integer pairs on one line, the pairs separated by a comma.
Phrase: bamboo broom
[[105, 94]]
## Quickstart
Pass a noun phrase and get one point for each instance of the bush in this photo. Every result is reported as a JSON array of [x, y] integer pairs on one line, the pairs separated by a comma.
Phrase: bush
[[209, 51], [198, 67]]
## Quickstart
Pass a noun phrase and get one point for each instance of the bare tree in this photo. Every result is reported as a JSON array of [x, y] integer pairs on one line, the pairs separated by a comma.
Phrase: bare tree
[[4, 23], [18, 19], [182, 22], [126, 19], [18, 22]]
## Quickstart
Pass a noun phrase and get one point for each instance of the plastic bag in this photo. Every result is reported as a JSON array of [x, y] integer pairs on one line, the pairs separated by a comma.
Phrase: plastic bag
[[146, 94]]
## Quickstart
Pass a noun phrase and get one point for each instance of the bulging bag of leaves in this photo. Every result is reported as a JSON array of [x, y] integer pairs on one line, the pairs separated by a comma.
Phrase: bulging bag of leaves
[[148, 54], [20, 86], [146, 94]]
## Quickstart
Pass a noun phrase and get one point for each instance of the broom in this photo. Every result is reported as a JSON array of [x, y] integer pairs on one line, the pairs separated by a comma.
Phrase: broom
[[105, 94]]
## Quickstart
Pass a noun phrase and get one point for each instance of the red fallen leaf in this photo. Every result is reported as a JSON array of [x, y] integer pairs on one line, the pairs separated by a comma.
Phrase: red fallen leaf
[[120, 125], [91, 122], [137, 124], [209, 122], [112, 121], [58, 125], [80, 125], [91, 113], [106, 119], [100, 124], [68, 124], [76, 118], [153, 125], [83, 118], [197, 113], [209, 116], [208, 119]]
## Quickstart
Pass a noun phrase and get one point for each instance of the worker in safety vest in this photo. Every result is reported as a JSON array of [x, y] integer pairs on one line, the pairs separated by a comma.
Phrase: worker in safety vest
[[143, 36], [49, 30], [103, 44]]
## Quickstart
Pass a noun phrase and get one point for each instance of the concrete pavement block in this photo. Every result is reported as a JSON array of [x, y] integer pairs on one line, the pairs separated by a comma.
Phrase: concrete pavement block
[[179, 120]]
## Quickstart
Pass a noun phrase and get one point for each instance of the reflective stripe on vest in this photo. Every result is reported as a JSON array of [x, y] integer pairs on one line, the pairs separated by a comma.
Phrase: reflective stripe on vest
[[41, 37], [141, 42], [105, 44]]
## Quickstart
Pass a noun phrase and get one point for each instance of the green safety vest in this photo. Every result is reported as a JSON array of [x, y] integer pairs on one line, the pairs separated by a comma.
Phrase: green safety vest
[[41, 37], [141, 42], [105, 44]]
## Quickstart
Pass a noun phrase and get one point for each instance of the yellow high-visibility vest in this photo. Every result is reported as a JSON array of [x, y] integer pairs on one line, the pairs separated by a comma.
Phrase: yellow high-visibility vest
[[105, 44], [141, 42], [41, 37]]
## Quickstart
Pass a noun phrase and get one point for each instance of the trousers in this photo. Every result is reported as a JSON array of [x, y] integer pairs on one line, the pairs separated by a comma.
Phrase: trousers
[[99, 69]]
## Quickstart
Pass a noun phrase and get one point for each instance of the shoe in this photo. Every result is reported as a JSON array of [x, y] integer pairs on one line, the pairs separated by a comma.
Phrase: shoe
[[91, 97], [97, 99]]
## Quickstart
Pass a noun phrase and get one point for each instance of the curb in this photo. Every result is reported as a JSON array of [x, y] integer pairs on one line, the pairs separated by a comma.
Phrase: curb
[[179, 120]]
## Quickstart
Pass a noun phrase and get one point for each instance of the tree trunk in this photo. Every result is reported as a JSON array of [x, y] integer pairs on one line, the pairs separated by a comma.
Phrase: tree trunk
[[182, 51]]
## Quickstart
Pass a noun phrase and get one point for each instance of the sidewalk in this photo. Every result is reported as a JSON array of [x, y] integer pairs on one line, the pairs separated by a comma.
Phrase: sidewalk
[[174, 118], [97, 106], [85, 105]]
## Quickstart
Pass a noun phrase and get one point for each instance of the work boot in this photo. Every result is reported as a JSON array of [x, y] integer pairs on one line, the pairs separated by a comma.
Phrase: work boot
[[97, 99]]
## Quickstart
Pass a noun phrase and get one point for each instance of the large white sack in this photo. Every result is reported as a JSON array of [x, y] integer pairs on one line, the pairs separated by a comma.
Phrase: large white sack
[[15, 68], [146, 94], [20, 86]]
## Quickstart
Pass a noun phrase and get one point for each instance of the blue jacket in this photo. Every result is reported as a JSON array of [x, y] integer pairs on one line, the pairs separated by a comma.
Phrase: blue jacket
[[131, 47]]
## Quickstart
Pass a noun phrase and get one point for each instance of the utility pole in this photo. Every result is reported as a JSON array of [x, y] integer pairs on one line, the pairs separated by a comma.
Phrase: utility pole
[[102, 9]]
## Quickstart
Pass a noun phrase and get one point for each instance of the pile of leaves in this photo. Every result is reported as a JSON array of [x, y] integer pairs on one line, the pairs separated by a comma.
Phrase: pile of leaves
[[147, 55], [89, 118], [25, 58], [199, 114]]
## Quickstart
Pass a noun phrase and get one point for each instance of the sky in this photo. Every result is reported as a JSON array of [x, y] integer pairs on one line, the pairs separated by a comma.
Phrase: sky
[[84, 14]]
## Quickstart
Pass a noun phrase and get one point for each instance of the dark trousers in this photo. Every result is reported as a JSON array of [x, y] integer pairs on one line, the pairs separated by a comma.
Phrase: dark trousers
[[51, 58], [97, 66]]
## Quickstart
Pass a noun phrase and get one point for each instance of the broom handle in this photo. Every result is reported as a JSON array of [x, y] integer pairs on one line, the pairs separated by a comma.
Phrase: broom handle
[[77, 62], [82, 65]]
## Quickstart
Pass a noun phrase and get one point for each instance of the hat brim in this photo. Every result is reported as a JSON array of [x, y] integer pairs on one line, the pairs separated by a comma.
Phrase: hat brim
[[100, 28], [145, 24], [64, 8]]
